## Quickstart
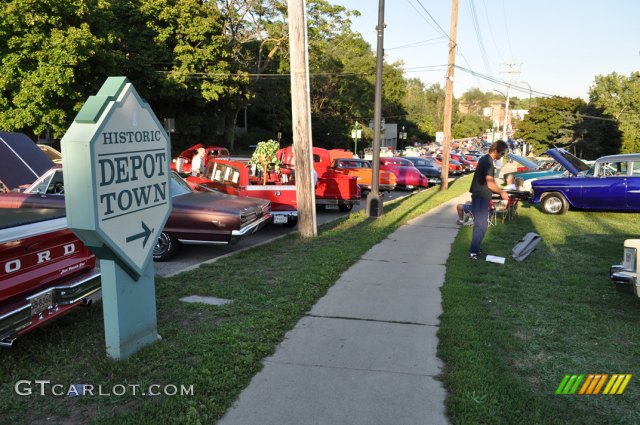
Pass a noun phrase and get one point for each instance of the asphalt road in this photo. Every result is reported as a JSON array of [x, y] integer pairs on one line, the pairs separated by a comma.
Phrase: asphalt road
[[190, 256]]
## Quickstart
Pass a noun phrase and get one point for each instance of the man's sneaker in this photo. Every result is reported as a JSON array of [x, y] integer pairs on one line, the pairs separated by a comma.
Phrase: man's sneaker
[[458, 221]]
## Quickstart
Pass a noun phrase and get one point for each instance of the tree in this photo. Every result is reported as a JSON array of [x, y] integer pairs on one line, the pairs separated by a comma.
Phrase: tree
[[551, 123], [473, 100], [470, 125], [597, 134], [619, 97]]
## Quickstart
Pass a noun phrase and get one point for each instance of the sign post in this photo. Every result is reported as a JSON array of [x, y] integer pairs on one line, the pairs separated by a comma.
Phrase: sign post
[[116, 173]]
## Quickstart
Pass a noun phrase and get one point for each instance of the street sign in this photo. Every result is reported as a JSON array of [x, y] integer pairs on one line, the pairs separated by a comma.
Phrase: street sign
[[115, 158], [126, 174]]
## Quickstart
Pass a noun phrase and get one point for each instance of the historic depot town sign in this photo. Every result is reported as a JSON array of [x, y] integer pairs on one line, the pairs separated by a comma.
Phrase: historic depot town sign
[[116, 171]]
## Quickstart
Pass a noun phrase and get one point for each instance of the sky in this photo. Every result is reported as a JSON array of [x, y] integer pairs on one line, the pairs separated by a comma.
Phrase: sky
[[554, 47]]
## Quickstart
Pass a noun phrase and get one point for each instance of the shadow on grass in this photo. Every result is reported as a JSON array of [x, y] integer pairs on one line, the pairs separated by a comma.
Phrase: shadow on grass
[[510, 332]]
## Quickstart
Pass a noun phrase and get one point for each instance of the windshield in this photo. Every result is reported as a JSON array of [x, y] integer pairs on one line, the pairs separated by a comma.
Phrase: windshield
[[177, 185]]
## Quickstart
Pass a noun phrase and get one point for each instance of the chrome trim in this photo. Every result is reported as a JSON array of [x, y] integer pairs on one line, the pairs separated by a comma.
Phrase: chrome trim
[[80, 288], [337, 202], [251, 227], [287, 213]]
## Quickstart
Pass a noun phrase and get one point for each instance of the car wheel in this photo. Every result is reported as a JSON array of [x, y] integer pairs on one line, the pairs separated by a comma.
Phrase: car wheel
[[166, 246], [291, 222], [345, 207], [554, 203]]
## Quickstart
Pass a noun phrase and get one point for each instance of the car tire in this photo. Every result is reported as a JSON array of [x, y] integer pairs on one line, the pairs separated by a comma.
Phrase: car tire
[[291, 222], [166, 246], [345, 207], [554, 203]]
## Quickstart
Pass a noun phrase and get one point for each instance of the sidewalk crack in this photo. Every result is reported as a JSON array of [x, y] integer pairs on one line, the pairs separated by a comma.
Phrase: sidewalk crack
[[350, 368], [396, 322]]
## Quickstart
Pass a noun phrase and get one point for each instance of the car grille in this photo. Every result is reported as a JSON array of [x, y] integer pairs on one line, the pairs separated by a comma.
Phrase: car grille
[[249, 215]]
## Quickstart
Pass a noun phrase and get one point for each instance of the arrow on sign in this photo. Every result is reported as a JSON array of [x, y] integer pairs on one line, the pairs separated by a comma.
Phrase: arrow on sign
[[146, 232]]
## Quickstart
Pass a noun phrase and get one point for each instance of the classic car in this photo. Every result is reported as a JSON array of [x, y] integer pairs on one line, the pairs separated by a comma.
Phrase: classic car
[[363, 171], [627, 272], [182, 163], [45, 271], [455, 168], [407, 175], [235, 177], [428, 168], [333, 190], [466, 164], [22, 161], [612, 185], [53, 154], [196, 217]]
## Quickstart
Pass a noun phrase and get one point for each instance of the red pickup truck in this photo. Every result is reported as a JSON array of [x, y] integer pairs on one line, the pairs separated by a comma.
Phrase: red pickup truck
[[234, 177], [45, 271], [333, 189]]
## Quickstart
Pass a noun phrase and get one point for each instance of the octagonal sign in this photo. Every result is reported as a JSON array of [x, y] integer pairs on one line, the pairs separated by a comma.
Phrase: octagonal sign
[[116, 174]]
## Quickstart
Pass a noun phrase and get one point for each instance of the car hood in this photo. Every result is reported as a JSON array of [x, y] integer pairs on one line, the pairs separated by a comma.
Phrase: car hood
[[217, 202], [568, 161], [523, 161], [23, 162]]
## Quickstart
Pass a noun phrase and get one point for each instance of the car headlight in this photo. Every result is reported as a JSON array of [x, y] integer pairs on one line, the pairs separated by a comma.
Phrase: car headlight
[[629, 260]]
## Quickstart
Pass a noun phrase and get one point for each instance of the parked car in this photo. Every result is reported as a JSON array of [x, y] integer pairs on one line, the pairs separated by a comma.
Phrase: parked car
[[467, 165], [407, 175], [428, 168], [182, 163], [333, 190], [22, 161], [362, 170], [235, 177], [201, 218], [613, 184], [455, 168], [627, 272]]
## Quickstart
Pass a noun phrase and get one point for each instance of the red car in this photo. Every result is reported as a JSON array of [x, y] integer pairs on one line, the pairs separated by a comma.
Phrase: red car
[[234, 177], [407, 175], [333, 189], [454, 166], [182, 164], [466, 164]]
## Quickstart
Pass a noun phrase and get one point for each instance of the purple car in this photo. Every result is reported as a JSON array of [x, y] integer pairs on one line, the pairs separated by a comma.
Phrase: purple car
[[612, 184]]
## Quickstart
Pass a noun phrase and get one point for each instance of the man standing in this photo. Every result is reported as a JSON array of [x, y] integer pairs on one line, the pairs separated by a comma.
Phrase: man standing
[[482, 186], [197, 163]]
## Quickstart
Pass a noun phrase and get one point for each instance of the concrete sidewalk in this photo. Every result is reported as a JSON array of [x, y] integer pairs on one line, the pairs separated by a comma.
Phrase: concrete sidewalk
[[366, 352]]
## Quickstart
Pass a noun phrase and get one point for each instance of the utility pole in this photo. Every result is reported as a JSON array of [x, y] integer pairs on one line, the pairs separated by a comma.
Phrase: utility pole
[[301, 118], [509, 71], [374, 198], [448, 97]]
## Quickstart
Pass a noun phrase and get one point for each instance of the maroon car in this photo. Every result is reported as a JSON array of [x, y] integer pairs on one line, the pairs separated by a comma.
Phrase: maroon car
[[200, 218], [407, 175]]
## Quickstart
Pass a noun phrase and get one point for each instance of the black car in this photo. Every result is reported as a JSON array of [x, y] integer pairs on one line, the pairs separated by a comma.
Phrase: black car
[[427, 167]]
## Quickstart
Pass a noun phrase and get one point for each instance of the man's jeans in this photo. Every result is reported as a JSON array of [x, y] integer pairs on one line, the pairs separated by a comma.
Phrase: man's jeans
[[480, 208]]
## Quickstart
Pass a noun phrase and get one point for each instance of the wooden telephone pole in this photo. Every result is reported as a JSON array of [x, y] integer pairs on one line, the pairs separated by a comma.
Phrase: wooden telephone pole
[[448, 97], [301, 119]]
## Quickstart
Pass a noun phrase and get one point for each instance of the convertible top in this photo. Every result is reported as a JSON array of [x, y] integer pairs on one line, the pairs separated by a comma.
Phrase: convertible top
[[22, 160]]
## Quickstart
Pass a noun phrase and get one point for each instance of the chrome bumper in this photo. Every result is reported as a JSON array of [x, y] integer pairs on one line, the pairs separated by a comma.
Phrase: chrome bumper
[[623, 277], [40, 307], [250, 228]]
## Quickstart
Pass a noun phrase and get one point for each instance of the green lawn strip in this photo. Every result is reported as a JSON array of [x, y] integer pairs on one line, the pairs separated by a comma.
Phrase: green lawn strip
[[509, 333], [215, 349]]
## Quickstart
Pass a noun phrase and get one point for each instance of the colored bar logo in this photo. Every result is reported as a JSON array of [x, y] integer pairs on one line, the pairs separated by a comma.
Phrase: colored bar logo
[[593, 384]]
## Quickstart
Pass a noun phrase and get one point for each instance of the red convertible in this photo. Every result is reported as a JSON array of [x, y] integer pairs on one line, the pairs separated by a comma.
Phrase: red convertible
[[182, 164]]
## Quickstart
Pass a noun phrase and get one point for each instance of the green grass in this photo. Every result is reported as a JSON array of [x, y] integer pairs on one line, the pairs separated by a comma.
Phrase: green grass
[[509, 333], [215, 349]]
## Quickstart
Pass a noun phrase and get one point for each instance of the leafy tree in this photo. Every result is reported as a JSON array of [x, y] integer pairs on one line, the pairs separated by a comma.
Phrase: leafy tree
[[551, 123], [473, 100], [597, 134], [470, 125], [619, 97], [53, 54]]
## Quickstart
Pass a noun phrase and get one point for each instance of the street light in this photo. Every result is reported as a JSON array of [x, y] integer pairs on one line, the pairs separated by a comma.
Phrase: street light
[[528, 85], [356, 134], [403, 136]]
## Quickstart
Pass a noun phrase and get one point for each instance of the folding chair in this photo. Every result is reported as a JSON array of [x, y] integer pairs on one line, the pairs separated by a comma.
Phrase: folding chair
[[493, 214]]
